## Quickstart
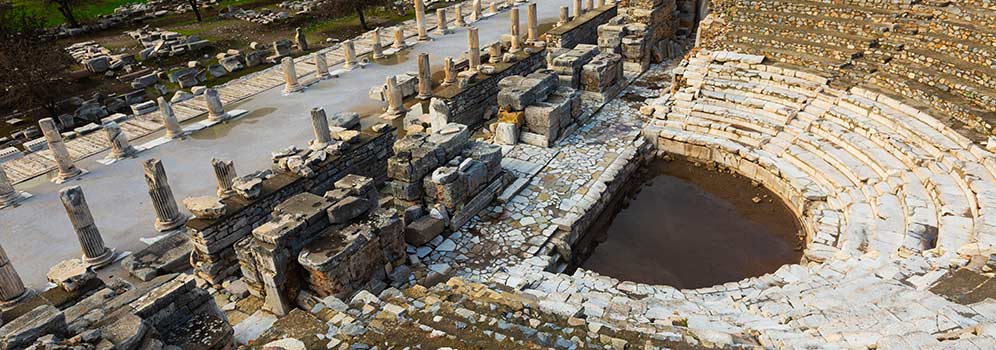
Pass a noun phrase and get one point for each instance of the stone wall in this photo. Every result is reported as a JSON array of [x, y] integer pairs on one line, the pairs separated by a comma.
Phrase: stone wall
[[213, 256], [583, 30], [472, 104]]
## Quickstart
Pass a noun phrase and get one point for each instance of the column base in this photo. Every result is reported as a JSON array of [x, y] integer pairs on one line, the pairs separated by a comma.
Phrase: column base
[[392, 115], [293, 88], [63, 177], [171, 225], [13, 198], [100, 261], [223, 194], [10, 304]]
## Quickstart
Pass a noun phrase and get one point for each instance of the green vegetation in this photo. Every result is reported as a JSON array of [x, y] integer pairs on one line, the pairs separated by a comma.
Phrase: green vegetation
[[84, 12], [351, 23]]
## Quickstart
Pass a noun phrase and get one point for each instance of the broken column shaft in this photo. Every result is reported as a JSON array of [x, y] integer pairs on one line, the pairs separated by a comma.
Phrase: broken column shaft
[[399, 39], [95, 253], [424, 77], [565, 16], [170, 123], [378, 49], [322, 66], [120, 147], [216, 110], [449, 68], [514, 16], [420, 20], [441, 28], [224, 173], [475, 10], [67, 170], [320, 123], [12, 288], [395, 99], [578, 10], [168, 215], [532, 26], [349, 54], [8, 195], [290, 75], [458, 16], [474, 49]]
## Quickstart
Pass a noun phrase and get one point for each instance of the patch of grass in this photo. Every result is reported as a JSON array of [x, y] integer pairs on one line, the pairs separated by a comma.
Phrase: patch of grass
[[349, 24], [84, 12]]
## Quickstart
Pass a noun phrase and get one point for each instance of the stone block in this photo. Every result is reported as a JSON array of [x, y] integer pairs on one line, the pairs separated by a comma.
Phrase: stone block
[[22, 331], [423, 230], [451, 138], [348, 209]]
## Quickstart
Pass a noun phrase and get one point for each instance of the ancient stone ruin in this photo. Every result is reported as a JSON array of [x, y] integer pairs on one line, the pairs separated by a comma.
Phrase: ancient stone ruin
[[402, 189]]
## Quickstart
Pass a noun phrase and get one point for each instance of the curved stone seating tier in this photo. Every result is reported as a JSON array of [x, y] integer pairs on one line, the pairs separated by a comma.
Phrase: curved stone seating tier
[[863, 171]]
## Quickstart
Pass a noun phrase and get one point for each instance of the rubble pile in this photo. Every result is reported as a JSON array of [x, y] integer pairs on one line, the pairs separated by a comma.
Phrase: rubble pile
[[261, 16], [442, 180], [161, 43], [642, 33], [535, 109]]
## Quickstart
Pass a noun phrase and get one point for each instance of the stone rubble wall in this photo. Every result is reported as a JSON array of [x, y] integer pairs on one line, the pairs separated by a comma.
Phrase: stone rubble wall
[[582, 30], [475, 103], [214, 257]]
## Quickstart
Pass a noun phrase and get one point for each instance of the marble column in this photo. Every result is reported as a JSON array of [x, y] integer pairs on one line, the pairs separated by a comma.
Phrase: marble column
[[224, 173], [322, 66], [514, 17], [120, 147], [424, 77], [458, 16], [378, 49], [395, 99], [12, 290], [441, 28], [493, 7], [168, 216], [532, 26], [349, 54], [474, 49], [95, 253], [420, 20], [8, 195], [67, 170], [290, 75], [320, 124], [494, 52], [578, 10], [399, 39], [170, 123], [589, 5], [475, 10], [599, 4], [449, 68], [216, 110], [565, 15]]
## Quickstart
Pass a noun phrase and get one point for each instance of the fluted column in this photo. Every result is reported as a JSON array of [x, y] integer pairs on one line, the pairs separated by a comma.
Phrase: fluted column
[[8, 195], [578, 10], [532, 26], [475, 10], [216, 110], [290, 75], [168, 215], [349, 53], [424, 77], [474, 49], [458, 15], [95, 253], [449, 68], [420, 20], [322, 66], [514, 17], [441, 28], [224, 173], [395, 99], [67, 170], [378, 49], [320, 124], [12, 289], [399, 39], [565, 16], [120, 147], [170, 123]]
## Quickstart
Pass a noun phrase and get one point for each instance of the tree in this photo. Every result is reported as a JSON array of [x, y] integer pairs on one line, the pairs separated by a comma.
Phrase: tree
[[34, 69], [66, 8], [197, 12]]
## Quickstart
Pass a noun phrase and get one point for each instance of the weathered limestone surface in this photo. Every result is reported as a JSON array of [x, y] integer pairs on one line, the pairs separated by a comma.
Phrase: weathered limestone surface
[[168, 216], [95, 253]]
